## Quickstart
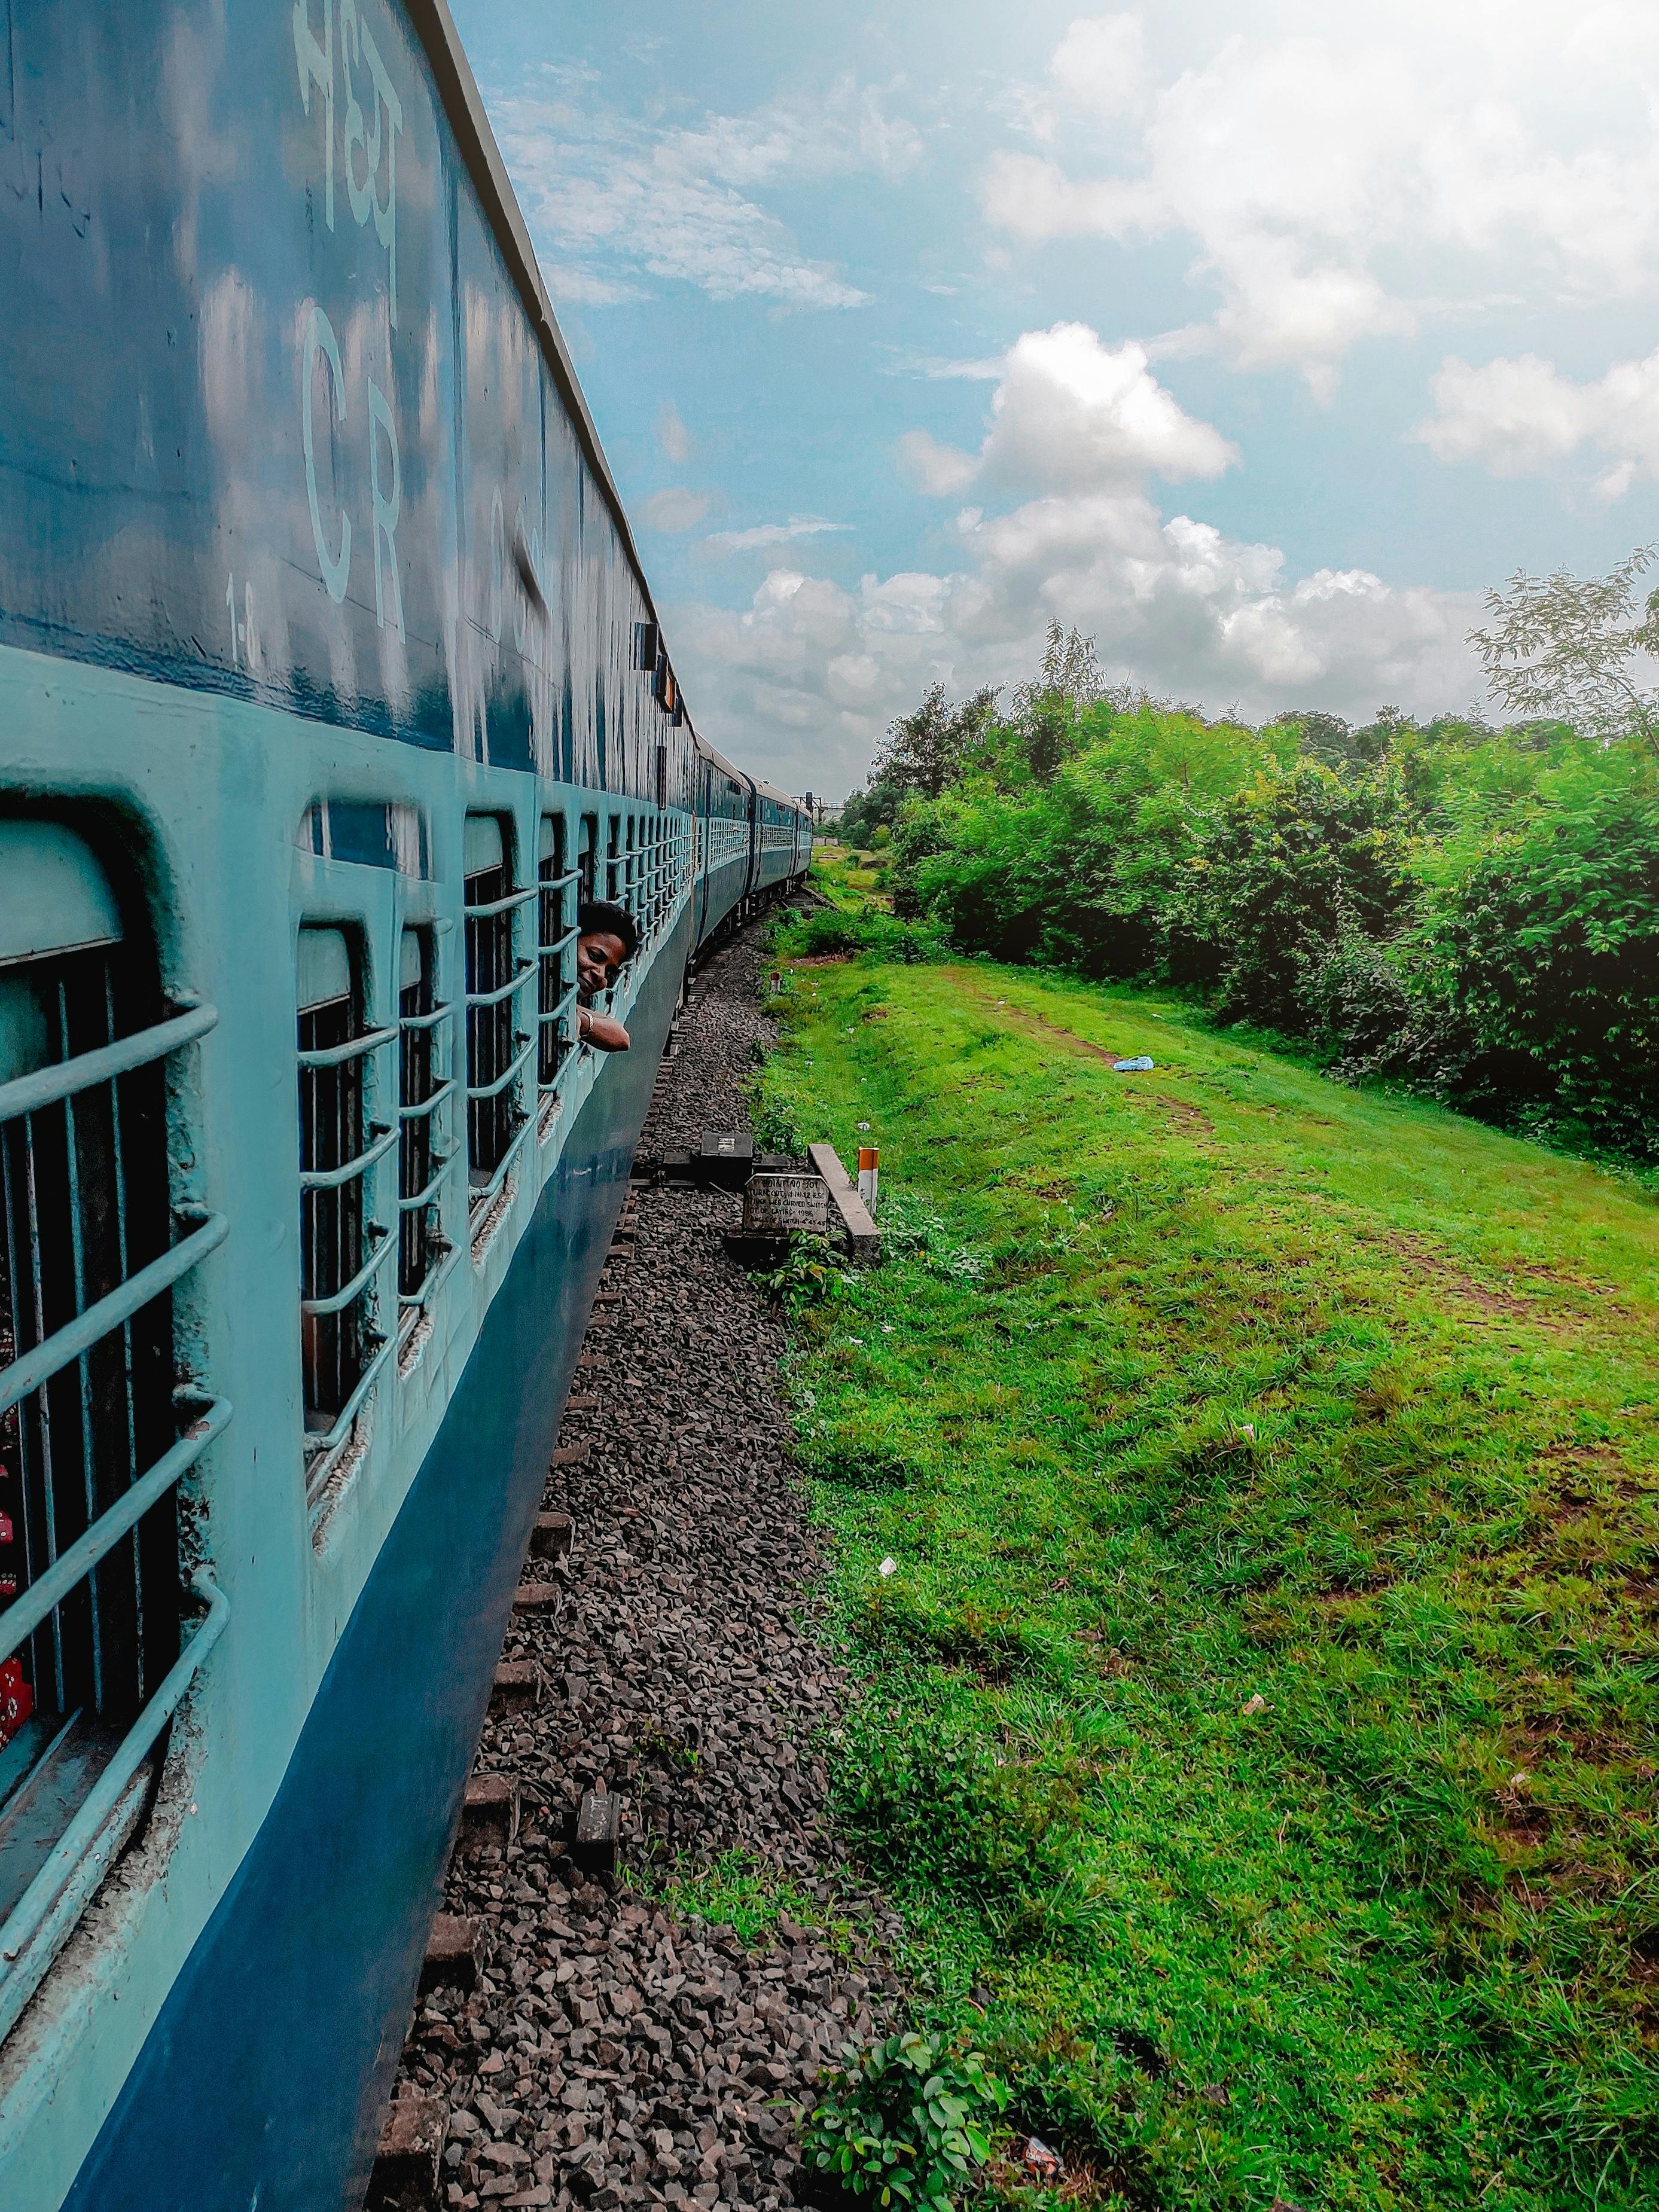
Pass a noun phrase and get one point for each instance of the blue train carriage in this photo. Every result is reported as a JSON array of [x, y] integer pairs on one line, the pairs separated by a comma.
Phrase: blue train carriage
[[329, 683]]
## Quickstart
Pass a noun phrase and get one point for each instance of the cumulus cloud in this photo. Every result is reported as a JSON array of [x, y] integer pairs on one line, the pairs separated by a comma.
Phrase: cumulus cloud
[[1523, 417], [810, 674], [812, 671], [615, 201], [1303, 166], [768, 534], [816, 669], [676, 508], [1069, 413]]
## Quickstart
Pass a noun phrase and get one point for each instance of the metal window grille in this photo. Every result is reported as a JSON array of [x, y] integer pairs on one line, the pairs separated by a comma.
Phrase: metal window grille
[[497, 1049], [613, 860], [422, 1092], [92, 1660], [587, 859], [557, 952], [342, 1249]]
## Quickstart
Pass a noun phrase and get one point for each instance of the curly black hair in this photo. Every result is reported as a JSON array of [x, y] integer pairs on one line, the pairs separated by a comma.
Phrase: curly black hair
[[598, 917]]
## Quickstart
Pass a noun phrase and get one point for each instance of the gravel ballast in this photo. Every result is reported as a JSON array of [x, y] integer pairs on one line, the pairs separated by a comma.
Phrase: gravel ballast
[[611, 2054]]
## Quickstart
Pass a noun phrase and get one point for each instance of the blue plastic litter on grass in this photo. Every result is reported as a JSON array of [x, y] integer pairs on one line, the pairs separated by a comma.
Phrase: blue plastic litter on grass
[[1142, 1066]]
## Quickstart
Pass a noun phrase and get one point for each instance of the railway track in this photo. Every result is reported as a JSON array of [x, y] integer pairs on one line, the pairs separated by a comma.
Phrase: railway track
[[582, 2044]]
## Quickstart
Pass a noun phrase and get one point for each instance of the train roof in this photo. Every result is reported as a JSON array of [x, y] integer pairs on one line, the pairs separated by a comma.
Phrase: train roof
[[458, 89], [452, 74]]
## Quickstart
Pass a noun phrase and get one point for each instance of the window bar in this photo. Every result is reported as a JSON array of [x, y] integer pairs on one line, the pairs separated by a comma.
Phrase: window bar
[[484, 1197], [129, 1404], [515, 982], [492, 906], [343, 1249], [55, 1900], [497, 1049], [118, 1305], [69, 1245], [557, 985], [420, 1166], [82, 1366]]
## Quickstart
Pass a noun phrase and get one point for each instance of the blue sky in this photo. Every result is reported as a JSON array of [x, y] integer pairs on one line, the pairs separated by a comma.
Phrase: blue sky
[[1253, 341]]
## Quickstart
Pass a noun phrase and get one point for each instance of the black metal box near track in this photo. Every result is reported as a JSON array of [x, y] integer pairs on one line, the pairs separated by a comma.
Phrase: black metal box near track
[[726, 1157]]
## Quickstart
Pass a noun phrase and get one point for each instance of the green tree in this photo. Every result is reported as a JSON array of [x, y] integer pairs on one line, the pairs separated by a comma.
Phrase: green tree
[[1571, 647], [926, 751]]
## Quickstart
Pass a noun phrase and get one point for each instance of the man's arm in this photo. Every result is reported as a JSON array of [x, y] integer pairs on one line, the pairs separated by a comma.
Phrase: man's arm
[[599, 1031]]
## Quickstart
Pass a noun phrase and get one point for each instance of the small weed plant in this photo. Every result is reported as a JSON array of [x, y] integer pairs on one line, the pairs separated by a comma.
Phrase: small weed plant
[[807, 1275], [905, 2123]]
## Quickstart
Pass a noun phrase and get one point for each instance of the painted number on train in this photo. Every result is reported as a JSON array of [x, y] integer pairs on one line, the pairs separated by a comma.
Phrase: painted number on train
[[341, 68], [332, 534], [368, 153]]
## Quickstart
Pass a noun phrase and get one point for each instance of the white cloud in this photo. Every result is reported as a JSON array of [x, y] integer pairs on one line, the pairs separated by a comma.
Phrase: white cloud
[[672, 434], [676, 508], [1102, 63], [812, 671], [1070, 413], [979, 368], [1523, 417], [1306, 167], [615, 201], [941, 471], [766, 534], [816, 669]]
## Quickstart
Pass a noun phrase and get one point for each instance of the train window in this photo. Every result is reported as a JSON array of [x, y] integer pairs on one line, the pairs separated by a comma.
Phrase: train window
[[496, 1048], [557, 952], [613, 860], [661, 782], [588, 863], [92, 1659], [341, 1248], [422, 1092], [369, 833], [647, 643]]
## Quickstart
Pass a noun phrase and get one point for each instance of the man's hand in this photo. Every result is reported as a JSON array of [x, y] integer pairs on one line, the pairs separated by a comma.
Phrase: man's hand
[[601, 1033]]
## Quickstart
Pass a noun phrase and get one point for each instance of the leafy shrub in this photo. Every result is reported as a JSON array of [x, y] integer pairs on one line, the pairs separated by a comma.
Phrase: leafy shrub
[[827, 930], [911, 1230], [905, 2123], [806, 1275], [1474, 913]]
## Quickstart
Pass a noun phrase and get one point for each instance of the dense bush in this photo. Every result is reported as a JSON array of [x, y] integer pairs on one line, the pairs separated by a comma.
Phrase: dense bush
[[1472, 912], [905, 2123]]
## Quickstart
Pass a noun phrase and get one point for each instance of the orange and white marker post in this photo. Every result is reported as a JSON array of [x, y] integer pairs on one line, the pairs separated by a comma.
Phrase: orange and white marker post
[[867, 1177]]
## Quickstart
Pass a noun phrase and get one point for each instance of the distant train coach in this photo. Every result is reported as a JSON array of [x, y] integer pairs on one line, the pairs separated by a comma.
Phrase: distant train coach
[[330, 689]]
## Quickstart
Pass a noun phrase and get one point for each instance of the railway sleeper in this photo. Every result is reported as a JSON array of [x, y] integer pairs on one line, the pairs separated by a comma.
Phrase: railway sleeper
[[489, 1809], [411, 2146], [518, 1682], [452, 1953]]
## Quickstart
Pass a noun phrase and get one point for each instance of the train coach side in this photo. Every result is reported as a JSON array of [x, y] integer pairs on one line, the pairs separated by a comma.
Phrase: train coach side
[[329, 682]]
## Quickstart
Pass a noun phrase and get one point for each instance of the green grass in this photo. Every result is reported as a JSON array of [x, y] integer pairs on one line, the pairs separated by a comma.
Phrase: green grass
[[733, 1891], [1261, 1713]]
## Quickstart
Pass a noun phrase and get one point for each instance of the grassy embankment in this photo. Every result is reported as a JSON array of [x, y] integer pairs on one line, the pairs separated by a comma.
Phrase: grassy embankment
[[1260, 1714]]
